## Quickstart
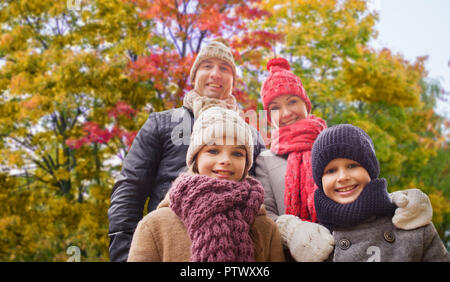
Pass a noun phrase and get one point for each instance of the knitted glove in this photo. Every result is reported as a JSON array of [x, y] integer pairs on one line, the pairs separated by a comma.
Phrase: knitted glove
[[307, 241], [414, 209]]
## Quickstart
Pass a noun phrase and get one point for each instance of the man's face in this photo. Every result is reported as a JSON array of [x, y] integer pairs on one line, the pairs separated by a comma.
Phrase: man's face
[[214, 79]]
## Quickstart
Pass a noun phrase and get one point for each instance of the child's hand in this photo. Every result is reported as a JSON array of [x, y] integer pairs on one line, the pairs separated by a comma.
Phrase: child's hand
[[414, 209], [307, 241]]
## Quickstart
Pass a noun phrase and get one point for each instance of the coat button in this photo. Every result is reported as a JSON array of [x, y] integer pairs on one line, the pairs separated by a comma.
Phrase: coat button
[[389, 236], [344, 244]]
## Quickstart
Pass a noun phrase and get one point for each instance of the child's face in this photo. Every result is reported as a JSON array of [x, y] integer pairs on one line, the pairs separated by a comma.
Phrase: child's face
[[286, 110], [222, 161], [343, 180]]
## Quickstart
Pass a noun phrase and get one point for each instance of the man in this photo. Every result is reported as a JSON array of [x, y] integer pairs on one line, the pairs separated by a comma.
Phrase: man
[[158, 153]]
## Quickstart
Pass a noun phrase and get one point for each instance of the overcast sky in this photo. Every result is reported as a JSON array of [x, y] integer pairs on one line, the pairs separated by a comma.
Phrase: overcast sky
[[417, 28]]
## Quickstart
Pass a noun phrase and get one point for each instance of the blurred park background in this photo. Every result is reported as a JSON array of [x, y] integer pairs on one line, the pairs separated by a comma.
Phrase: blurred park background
[[78, 78]]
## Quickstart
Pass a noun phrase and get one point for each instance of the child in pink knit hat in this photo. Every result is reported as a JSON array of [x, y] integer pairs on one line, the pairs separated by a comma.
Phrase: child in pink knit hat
[[210, 211]]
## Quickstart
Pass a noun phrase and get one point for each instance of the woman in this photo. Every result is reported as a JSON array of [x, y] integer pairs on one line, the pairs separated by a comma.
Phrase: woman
[[286, 175]]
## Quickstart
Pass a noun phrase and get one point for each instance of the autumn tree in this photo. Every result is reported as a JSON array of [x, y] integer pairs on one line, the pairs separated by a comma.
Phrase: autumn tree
[[63, 68], [67, 106]]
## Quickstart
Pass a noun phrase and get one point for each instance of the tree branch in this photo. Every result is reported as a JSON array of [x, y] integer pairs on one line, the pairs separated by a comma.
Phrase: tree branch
[[38, 37], [39, 164], [174, 39], [24, 144]]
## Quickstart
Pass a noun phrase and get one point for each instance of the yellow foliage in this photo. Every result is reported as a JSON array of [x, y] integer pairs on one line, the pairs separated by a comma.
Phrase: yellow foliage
[[61, 174], [5, 40], [38, 226], [33, 102], [383, 77], [441, 207], [18, 83], [15, 159]]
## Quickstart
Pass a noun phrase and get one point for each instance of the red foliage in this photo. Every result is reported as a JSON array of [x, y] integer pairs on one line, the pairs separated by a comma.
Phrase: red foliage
[[259, 38], [93, 133], [122, 109], [244, 99], [162, 69]]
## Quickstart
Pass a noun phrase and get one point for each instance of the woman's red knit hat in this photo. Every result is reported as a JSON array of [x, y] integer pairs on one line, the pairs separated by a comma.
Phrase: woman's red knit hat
[[281, 81]]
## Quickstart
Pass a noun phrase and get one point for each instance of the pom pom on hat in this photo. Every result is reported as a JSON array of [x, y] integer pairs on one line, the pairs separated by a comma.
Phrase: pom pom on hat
[[278, 62], [281, 81]]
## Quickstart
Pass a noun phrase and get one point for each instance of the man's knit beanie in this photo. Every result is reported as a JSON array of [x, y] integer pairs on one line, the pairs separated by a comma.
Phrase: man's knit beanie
[[217, 49], [281, 81], [212, 125], [343, 141]]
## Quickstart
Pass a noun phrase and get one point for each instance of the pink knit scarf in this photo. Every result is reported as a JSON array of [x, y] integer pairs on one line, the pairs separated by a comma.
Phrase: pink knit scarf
[[218, 215], [297, 140]]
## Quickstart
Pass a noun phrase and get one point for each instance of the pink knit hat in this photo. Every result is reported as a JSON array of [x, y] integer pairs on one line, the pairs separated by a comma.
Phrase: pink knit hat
[[281, 81]]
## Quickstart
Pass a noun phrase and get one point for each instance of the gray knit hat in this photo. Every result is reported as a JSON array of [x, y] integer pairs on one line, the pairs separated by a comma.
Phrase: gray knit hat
[[217, 49], [218, 122], [343, 141]]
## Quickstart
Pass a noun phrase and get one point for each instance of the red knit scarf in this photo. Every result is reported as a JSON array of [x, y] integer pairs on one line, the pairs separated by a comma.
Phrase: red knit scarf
[[297, 140], [218, 215]]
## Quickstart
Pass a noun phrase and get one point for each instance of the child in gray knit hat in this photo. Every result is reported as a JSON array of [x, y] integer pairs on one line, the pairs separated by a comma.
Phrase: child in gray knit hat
[[354, 203]]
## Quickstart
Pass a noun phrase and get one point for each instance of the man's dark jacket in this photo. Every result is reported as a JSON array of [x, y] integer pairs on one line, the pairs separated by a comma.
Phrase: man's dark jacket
[[155, 159]]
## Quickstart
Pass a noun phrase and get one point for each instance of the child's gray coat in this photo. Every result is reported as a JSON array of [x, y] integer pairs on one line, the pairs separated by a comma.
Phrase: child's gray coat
[[379, 240]]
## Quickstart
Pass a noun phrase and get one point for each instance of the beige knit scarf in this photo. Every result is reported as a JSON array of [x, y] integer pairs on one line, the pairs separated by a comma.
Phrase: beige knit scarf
[[196, 103]]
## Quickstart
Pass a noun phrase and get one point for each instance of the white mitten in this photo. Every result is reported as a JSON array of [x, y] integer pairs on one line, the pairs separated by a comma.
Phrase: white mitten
[[307, 241], [414, 209]]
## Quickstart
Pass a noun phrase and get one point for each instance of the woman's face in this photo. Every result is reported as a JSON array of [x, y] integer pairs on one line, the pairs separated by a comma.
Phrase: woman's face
[[287, 109]]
